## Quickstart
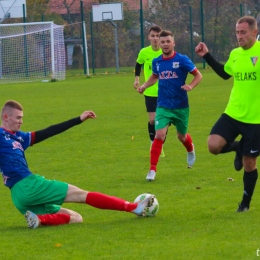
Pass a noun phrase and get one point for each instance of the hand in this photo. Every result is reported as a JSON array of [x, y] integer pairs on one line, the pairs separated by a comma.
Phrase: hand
[[141, 89], [186, 87], [136, 84], [86, 115], [201, 49]]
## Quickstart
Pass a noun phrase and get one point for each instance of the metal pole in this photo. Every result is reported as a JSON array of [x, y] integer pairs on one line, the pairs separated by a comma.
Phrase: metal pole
[[86, 47], [202, 27], [191, 36], [83, 37], [1, 56], [241, 10], [245, 5], [44, 54], [117, 65], [52, 52], [25, 44], [92, 43], [115, 26], [20, 24], [141, 23]]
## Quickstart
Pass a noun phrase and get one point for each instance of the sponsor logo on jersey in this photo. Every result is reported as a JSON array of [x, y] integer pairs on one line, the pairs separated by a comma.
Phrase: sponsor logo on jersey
[[21, 139], [175, 65], [254, 60], [17, 145], [242, 76], [157, 66], [7, 137], [168, 75], [5, 179]]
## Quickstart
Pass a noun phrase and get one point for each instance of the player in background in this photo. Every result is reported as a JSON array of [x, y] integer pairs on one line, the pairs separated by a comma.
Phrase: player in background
[[241, 115], [146, 56], [34, 196], [171, 69]]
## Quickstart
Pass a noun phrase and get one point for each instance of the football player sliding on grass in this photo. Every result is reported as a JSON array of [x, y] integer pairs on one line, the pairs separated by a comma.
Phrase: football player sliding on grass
[[34, 196]]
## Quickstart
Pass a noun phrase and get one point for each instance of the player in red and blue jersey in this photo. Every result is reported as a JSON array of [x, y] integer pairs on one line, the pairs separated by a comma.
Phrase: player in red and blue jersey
[[171, 69], [34, 196]]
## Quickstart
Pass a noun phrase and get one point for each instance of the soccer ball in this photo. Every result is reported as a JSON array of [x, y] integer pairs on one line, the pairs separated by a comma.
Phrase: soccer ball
[[151, 211]]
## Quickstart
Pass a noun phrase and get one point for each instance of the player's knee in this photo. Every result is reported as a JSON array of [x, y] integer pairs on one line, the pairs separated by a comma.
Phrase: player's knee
[[182, 138], [160, 136], [76, 218], [249, 163], [152, 121], [213, 148]]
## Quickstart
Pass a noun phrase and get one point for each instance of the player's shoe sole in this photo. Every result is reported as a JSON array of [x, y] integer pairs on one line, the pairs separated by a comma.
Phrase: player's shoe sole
[[151, 175], [32, 219], [143, 205]]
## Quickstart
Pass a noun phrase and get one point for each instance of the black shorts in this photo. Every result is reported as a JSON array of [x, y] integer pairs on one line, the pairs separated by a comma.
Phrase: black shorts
[[229, 129], [151, 103]]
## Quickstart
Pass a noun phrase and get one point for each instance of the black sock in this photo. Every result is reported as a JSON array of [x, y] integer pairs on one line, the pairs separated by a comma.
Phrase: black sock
[[151, 131], [230, 147], [249, 179], [165, 136]]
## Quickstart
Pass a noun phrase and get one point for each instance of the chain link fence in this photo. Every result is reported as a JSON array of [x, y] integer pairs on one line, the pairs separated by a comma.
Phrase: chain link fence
[[183, 18]]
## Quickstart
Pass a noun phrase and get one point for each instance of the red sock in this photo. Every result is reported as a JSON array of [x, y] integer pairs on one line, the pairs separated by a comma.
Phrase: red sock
[[102, 201], [155, 153], [54, 219], [188, 144]]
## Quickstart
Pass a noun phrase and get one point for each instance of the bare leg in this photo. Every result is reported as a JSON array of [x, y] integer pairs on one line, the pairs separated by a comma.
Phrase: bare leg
[[216, 143], [74, 216], [152, 117], [76, 195]]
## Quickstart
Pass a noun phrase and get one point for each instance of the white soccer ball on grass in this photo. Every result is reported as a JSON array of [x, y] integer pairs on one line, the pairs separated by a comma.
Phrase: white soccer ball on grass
[[151, 211]]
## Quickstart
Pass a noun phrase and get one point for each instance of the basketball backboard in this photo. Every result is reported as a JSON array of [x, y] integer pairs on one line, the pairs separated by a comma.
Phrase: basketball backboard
[[107, 12], [12, 8]]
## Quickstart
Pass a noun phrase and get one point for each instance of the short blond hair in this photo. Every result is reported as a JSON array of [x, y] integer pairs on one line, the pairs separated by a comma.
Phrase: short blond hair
[[10, 104]]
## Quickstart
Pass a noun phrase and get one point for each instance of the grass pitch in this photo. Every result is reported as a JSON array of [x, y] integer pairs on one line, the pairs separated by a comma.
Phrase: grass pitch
[[110, 154]]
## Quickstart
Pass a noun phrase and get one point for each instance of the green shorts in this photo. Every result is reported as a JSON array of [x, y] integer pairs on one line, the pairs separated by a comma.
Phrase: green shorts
[[177, 117], [38, 195]]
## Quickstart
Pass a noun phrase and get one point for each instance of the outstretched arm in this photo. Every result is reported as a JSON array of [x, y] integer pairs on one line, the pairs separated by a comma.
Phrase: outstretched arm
[[203, 51], [59, 128]]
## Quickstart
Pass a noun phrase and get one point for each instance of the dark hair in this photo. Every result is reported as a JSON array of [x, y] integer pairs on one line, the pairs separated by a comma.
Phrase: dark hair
[[155, 28], [166, 33], [250, 20]]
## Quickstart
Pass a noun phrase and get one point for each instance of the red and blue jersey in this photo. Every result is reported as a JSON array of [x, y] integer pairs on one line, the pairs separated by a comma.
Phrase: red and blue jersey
[[172, 73], [13, 165]]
